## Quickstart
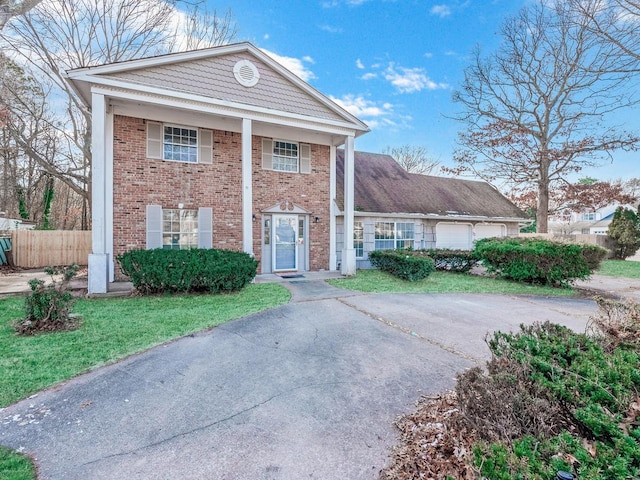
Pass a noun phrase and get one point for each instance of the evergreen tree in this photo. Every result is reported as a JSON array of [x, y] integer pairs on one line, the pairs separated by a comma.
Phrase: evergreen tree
[[625, 230]]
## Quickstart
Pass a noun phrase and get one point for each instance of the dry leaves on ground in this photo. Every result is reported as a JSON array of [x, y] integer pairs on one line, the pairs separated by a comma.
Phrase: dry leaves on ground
[[432, 444]]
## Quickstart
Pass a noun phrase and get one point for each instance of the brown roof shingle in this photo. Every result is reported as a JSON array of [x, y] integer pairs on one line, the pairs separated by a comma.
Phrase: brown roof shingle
[[383, 186]]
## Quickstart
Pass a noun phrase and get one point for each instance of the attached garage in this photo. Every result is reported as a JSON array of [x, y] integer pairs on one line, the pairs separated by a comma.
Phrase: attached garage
[[490, 230], [455, 236]]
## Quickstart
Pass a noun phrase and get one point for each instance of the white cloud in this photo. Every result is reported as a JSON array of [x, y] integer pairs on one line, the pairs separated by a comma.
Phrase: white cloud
[[409, 80], [369, 76], [428, 55], [441, 10], [295, 65], [336, 3], [266, 36], [363, 108], [331, 28], [359, 64]]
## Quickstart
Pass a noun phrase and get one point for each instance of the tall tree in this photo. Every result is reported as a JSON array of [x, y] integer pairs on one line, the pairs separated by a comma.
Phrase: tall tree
[[59, 35], [13, 8], [615, 21], [535, 110], [413, 158]]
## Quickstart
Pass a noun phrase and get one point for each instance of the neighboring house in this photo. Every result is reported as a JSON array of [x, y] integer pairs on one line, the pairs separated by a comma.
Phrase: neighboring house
[[396, 209], [220, 148], [576, 223], [15, 224]]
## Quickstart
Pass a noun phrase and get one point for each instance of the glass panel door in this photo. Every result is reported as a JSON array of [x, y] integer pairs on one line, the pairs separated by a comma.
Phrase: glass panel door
[[285, 240]]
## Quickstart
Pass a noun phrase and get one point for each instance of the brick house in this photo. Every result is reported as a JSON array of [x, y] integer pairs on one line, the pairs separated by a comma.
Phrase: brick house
[[220, 148]]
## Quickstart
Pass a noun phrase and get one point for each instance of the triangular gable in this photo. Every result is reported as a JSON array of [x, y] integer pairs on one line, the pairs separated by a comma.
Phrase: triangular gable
[[287, 206], [210, 74]]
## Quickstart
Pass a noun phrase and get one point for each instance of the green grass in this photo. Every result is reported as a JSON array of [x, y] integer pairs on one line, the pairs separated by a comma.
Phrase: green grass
[[620, 268], [113, 328], [14, 466], [376, 281]]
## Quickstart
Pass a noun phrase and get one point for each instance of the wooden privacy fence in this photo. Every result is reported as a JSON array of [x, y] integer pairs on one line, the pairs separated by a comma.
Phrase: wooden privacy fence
[[44, 248]]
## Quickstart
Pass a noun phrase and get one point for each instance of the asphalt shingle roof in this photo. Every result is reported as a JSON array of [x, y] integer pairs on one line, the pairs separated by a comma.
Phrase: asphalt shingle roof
[[383, 186]]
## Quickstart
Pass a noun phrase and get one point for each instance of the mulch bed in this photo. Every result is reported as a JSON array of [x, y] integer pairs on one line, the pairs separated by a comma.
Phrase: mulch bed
[[433, 445]]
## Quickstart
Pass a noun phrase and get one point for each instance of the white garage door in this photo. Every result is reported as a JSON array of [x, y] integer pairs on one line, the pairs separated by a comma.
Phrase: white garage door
[[455, 236], [489, 231]]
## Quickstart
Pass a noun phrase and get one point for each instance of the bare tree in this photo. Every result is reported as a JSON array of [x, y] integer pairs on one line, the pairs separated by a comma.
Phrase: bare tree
[[413, 158], [59, 35], [535, 109], [13, 8], [615, 21]]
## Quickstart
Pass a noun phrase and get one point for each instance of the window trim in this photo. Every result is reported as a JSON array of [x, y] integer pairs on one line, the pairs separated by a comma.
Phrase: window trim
[[361, 239], [181, 127], [273, 155], [156, 143], [165, 233], [395, 235], [303, 161]]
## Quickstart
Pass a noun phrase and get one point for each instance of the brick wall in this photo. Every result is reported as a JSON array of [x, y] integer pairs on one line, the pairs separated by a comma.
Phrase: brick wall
[[139, 181]]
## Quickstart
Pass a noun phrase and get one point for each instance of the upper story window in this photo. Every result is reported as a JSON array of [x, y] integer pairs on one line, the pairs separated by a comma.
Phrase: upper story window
[[286, 156], [179, 143], [392, 235], [589, 217]]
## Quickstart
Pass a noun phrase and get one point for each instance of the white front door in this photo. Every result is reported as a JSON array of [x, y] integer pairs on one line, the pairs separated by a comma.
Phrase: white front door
[[285, 243]]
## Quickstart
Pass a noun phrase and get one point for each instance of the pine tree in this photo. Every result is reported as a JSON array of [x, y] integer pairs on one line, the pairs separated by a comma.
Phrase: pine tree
[[625, 230]]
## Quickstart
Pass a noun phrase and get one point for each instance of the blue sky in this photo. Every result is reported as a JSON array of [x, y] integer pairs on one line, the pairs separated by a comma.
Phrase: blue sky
[[393, 63]]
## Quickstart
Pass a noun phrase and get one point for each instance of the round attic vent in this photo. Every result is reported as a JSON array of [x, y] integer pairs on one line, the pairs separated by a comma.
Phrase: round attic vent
[[246, 73]]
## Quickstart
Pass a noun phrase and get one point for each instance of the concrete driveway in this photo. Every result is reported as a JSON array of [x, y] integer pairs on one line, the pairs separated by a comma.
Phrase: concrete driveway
[[306, 390]]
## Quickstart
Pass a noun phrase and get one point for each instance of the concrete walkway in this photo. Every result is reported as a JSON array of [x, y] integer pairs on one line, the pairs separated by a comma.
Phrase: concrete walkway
[[305, 390]]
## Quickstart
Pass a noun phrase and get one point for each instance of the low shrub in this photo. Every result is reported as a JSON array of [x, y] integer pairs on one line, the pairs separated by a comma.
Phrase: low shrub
[[48, 306], [195, 270], [402, 264], [550, 400], [538, 261], [453, 260]]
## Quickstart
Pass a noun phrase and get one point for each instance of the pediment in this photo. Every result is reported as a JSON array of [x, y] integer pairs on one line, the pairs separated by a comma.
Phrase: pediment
[[287, 206], [237, 77]]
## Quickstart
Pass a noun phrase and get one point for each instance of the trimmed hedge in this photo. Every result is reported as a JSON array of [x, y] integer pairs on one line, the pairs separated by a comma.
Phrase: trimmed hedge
[[538, 261], [453, 260], [402, 264], [195, 270]]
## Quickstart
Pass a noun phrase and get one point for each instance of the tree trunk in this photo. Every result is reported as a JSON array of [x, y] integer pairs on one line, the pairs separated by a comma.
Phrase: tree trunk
[[542, 212]]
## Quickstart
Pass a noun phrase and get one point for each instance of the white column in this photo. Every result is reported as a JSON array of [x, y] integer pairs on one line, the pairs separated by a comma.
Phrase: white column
[[98, 260], [348, 266], [108, 194], [333, 258], [247, 192]]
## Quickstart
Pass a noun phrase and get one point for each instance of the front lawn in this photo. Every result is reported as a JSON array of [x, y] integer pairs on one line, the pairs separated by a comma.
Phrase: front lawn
[[376, 281], [14, 466], [620, 268], [112, 329]]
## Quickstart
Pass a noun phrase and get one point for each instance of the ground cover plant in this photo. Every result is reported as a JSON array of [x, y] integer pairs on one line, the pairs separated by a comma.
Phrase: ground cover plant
[[113, 328], [619, 268], [549, 399], [376, 281]]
